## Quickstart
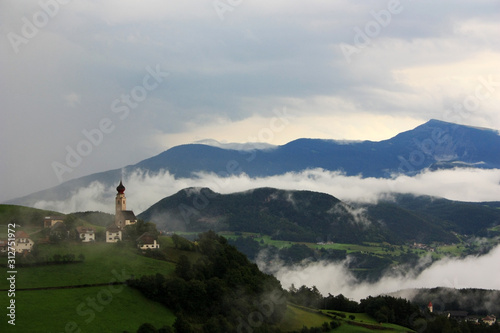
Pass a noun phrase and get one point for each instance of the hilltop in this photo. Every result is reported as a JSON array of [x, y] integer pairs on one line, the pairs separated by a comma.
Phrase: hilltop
[[317, 217]]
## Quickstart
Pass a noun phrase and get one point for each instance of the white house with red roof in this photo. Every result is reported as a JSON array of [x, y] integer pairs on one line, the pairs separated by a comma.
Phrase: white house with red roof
[[86, 234], [23, 242]]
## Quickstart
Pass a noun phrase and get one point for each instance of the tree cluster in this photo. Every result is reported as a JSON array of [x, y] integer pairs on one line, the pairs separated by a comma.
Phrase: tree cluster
[[219, 292], [385, 309]]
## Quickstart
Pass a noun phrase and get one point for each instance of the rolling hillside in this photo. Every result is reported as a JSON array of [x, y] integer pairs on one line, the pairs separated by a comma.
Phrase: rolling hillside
[[317, 217]]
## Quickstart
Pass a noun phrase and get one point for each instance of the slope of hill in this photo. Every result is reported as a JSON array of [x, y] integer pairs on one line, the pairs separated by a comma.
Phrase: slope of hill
[[433, 145], [26, 216], [317, 217], [460, 217]]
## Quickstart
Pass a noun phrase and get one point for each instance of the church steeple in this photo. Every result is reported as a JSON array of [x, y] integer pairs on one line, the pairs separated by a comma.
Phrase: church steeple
[[121, 200], [120, 188]]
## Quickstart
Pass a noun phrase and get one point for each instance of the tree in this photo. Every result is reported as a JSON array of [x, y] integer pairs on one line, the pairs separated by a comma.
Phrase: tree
[[166, 329], [183, 268], [181, 325], [147, 328]]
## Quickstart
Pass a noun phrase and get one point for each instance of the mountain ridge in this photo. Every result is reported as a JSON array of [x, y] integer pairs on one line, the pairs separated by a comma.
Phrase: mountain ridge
[[431, 146]]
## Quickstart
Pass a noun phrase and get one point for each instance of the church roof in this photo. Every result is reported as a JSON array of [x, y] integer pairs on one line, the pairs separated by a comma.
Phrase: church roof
[[120, 188], [128, 215]]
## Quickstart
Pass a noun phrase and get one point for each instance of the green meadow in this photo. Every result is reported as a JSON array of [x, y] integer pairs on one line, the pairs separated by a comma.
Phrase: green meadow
[[102, 264], [94, 309], [297, 317]]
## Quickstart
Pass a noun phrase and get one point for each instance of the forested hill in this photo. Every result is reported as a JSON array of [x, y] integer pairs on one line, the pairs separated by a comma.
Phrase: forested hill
[[315, 217]]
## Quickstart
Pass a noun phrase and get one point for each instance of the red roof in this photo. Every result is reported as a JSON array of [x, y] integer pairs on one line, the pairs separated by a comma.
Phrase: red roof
[[21, 234], [84, 230]]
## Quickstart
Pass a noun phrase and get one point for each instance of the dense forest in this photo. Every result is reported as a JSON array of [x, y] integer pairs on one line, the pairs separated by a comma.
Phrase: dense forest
[[306, 216], [221, 292]]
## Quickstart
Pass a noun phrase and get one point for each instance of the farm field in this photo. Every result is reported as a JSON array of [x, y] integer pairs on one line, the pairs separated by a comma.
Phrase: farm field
[[103, 263], [116, 309], [297, 316]]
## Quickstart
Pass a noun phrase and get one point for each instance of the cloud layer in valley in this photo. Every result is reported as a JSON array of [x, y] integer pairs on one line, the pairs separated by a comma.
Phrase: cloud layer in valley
[[145, 189], [471, 272]]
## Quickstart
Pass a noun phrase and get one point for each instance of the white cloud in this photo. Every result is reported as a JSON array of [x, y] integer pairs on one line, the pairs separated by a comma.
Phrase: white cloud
[[471, 272], [145, 189]]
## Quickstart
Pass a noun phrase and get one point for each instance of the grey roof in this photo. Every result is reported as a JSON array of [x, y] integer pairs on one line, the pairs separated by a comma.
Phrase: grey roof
[[113, 228], [84, 230], [128, 215]]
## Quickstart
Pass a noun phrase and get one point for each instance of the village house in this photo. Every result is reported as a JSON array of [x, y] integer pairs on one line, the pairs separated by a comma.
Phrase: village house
[[113, 234], [147, 241], [23, 242], [489, 320], [86, 234], [50, 221]]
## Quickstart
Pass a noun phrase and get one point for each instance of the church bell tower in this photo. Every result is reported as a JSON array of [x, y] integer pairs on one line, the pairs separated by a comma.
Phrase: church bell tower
[[121, 200]]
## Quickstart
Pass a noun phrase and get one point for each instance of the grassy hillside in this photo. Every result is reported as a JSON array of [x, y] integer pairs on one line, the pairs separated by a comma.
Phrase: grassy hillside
[[297, 317], [101, 260], [29, 218], [51, 310], [121, 309]]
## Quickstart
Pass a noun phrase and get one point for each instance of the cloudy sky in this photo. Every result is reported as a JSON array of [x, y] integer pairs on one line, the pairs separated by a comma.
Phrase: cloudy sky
[[135, 78]]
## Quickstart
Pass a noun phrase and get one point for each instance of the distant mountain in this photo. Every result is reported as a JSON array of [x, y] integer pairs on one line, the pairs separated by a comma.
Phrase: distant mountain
[[433, 145], [317, 217]]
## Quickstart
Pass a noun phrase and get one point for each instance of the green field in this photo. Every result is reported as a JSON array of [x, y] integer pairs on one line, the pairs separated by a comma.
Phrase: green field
[[297, 317], [116, 309], [103, 262]]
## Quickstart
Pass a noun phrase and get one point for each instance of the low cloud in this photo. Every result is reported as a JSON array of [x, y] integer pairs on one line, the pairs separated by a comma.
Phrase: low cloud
[[471, 272], [144, 188], [358, 215]]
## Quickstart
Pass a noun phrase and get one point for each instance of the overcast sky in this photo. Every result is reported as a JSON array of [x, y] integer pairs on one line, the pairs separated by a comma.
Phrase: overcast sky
[[150, 75]]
